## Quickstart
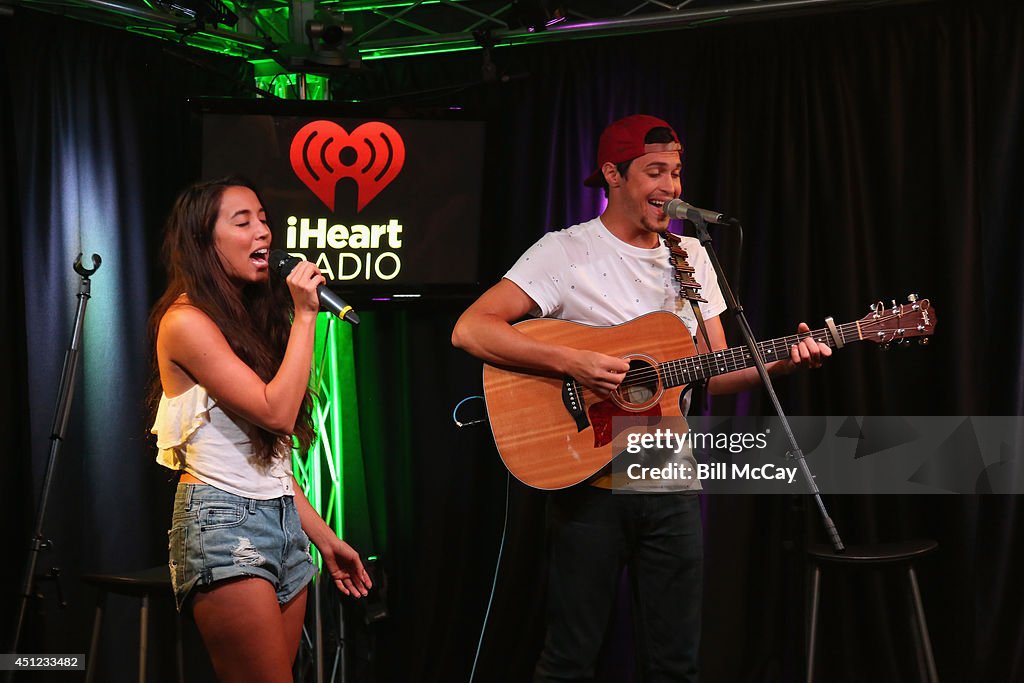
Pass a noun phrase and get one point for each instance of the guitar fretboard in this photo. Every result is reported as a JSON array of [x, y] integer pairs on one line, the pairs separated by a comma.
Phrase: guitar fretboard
[[706, 365], [897, 324]]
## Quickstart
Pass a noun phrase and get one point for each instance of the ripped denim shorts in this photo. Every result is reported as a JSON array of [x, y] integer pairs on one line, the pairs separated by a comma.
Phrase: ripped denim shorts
[[216, 535]]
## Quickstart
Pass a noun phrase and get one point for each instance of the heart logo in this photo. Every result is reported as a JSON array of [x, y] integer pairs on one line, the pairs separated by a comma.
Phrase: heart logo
[[322, 153]]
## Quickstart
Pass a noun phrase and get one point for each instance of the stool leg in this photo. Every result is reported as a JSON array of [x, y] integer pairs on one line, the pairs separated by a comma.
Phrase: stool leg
[[143, 633], [179, 650], [922, 626], [94, 642], [813, 627]]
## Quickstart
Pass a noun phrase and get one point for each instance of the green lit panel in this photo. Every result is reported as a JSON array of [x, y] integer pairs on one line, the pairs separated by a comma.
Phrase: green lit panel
[[320, 471], [285, 86]]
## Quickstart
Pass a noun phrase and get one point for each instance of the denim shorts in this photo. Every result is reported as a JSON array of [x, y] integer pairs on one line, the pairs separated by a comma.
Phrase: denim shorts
[[216, 535]]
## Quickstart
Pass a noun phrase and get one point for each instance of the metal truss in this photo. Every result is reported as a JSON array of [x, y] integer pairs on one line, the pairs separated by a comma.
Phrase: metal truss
[[276, 29]]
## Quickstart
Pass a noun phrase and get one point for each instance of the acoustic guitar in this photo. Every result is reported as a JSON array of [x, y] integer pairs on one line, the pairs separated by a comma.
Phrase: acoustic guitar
[[552, 432]]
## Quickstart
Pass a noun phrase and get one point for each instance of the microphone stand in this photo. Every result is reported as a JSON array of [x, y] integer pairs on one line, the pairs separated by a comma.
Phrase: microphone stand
[[695, 217], [65, 393]]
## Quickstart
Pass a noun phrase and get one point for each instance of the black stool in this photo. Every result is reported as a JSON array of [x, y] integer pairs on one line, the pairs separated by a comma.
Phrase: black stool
[[153, 582], [873, 557]]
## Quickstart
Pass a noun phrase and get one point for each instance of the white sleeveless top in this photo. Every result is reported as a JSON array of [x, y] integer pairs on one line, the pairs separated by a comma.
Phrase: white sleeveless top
[[195, 434]]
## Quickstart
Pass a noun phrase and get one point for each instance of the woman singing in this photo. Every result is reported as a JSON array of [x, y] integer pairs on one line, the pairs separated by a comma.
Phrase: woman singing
[[233, 351]]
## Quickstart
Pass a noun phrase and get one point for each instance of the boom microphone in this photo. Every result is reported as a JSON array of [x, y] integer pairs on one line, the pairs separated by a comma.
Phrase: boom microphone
[[677, 208], [282, 263]]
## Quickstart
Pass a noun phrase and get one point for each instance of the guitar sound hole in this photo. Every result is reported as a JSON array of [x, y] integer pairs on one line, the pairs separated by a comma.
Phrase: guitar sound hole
[[640, 387]]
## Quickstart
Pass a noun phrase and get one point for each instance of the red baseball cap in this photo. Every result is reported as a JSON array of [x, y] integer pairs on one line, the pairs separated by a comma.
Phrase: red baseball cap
[[624, 141]]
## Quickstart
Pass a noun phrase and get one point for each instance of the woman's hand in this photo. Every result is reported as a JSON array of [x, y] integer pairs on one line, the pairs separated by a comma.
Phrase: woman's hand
[[302, 283], [342, 562]]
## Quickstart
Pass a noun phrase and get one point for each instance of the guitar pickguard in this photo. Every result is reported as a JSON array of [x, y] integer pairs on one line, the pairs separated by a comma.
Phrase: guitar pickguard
[[602, 412]]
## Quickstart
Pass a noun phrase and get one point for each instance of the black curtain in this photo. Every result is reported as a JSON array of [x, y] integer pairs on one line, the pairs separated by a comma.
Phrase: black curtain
[[15, 520], [870, 153], [96, 131]]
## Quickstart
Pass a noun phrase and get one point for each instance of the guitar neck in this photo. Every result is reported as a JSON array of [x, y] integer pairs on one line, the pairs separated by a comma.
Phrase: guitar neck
[[706, 365]]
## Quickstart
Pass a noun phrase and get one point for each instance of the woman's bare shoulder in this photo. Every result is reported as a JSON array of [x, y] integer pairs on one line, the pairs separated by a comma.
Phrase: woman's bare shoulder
[[183, 321]]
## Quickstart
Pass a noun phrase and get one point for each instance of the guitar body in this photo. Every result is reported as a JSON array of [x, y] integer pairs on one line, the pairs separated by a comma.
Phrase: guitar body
[[549, 434], [552, 434]]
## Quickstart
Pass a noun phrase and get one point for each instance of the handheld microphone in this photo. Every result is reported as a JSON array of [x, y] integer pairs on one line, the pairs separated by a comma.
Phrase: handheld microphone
[[677, 208], [282, 263]]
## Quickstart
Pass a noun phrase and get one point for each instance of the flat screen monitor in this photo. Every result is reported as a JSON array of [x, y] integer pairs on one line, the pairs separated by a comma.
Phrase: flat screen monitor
[[387, 206]]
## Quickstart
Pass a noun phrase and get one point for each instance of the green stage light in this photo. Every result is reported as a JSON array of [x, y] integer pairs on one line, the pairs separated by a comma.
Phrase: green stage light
[[320, 471], [284, 85]]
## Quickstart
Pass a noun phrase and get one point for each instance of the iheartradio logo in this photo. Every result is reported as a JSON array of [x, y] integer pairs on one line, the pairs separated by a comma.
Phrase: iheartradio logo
[[322, 153]]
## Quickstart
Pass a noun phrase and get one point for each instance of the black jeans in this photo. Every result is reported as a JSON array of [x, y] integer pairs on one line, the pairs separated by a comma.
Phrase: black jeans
[[593, 533]]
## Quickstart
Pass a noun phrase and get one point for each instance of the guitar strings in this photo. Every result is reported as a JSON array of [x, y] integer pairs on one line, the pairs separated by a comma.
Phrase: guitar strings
[[728, 360]]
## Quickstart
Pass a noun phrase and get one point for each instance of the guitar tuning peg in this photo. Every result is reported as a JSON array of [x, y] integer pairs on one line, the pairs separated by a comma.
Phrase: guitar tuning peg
[[923, 341], [886, 346], [912, 298]]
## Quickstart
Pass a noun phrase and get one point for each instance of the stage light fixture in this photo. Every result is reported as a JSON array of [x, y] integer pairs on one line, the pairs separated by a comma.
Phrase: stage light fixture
[[327, 40]]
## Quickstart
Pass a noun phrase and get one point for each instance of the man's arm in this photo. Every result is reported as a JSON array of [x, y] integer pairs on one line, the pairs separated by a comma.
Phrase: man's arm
[[484, 330], [807, 354]]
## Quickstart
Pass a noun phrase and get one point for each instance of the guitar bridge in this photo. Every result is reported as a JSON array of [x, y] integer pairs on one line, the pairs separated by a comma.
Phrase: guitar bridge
[[573, 402]]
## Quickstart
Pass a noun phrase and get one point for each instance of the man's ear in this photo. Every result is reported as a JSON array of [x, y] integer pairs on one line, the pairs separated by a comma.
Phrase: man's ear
[[611, 174]]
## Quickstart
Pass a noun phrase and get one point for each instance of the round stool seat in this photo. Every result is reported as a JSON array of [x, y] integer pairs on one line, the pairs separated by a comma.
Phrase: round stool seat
[[874, 553], [149, 580], [896, 557], [145, 584]]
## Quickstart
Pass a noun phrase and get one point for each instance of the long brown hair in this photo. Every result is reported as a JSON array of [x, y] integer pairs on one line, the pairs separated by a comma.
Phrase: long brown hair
[[256, 321]]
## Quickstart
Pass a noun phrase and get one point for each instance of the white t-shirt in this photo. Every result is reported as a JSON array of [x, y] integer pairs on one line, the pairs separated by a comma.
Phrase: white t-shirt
[[586, 274]]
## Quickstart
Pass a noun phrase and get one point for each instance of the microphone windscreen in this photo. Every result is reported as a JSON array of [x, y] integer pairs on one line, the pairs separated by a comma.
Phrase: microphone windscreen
[[675, 208], [282, 263]]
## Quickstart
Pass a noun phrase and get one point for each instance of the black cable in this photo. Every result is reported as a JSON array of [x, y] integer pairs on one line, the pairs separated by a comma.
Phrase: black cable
[[494, 583]]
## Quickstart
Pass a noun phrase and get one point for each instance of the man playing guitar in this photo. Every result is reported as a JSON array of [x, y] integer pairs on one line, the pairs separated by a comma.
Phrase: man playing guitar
[[608, 271]]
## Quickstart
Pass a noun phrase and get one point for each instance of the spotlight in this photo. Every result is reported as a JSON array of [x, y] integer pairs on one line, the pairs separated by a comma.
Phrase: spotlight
[[327, 41], [330, 35]]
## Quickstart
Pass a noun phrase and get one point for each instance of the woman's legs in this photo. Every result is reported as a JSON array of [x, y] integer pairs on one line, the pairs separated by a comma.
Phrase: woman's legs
[[249, 636], [293, 614]]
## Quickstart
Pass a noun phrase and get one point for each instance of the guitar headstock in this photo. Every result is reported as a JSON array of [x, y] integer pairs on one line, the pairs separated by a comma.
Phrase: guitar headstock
[[897, 323]]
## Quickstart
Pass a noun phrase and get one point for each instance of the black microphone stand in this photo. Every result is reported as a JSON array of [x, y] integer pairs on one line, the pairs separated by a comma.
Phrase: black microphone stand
[[695, 217], [65, 393]]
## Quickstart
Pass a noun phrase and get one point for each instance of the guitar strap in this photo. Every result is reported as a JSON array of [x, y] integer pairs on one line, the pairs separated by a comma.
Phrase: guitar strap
[[689, 289]]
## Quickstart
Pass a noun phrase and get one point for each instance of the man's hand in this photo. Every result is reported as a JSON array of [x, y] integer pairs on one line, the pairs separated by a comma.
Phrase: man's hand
[[807, 354], [596, 371]]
